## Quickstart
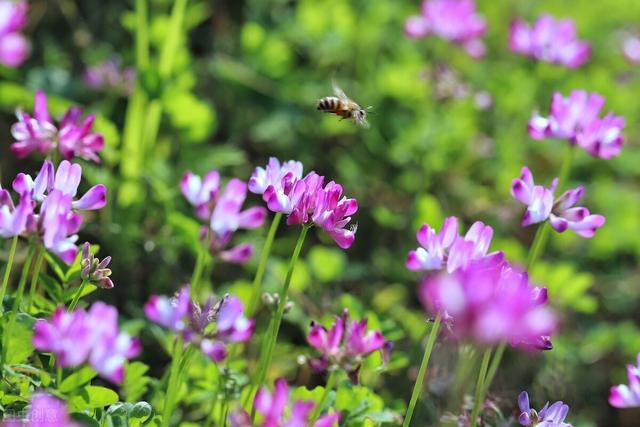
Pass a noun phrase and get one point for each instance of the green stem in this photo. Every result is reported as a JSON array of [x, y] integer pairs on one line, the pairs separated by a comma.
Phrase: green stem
[[7, 271], [172, 382], [35, 276], [495, 363], [16, 303], [538, 244], [76, 297], [254, 302], [480, 388], [201, 261], [417, 386], [331, 383], [565, 169], [271, 337]]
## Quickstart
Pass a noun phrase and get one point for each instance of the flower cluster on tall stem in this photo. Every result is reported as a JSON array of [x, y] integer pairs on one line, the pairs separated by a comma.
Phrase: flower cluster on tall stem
[[562, 213], [72, 136], [577, 120], [14, 47], [210, 327], [549, 40], [452, 20], [272, 408], [44, 410], [93, 337], [345, 345], [627, 395]]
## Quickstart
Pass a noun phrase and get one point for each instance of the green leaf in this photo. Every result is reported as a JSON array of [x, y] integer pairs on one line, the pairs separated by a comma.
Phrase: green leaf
[[71, 292], [139, 413], [85, 419], [92, 397], [56, 265], [77, 379], [19, 346], [135, 381]]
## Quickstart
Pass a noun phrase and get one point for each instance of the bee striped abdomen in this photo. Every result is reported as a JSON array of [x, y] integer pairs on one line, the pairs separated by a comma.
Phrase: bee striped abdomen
[[330, 104]]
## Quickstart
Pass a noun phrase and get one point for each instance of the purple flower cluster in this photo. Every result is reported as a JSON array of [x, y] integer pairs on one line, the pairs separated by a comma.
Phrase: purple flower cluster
[[14, 47], [181, 314], [110, 75], [272, 408], [549, 40], [453, 20], [562, 212], [577, 120], [44, 411], [627, 396], [56, 219], [491, 302], [548, 416], [305, 200], [448, 249], [345, 344], [94, 270], [222, 211], [92, 337], [72, 136]]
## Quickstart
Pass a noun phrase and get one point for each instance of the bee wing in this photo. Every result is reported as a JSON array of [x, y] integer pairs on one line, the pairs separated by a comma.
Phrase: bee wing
[[339, 92]]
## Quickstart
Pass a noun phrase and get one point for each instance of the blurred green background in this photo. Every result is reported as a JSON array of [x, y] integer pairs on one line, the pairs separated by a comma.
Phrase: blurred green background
[[448, 133]]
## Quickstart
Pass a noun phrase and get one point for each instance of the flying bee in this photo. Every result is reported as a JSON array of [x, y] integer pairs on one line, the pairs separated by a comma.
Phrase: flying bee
[[343, 106]]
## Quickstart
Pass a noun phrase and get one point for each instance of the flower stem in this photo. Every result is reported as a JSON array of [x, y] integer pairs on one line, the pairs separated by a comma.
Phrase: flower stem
[[254, 302], [35, 276], [173, 382], [270, 338], [7, 271], [480, 388], [495, 363], [201, 262], [76, 297], [538, 244], [16, 303], [329, 386], [417, 387]]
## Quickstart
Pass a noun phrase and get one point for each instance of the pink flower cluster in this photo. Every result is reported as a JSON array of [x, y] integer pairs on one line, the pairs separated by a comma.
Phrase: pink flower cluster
[[562, 212], [491, 302], [72, 136], [304, 199], [94, 270], [548, 416], [44, 411], [181, 314], [345, 344], [549, 40], [453, 20], [577, 120], [92, 337], [56, 220], [110, 75], [14, 48], [627, 396], [448, 249], [272, 408], [222, 211]]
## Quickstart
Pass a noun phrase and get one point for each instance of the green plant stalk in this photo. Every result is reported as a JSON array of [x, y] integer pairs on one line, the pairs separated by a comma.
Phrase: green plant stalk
[[201, 262], [495, 363], [271, 337], [254, 302], [173, 382], [417, 386], [16, 303], [7, 270], [142, 35], [329, 386], [76, 297], [35, 276], [480, 387]]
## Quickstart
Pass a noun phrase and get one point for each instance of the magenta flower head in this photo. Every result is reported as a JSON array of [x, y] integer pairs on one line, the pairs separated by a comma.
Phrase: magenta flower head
[[14, 219], [576, 119], [273, 411], [345, 345], [548, 416], [72, 137], [222, 210], [627, 396], [561, 212], [87, 337], [447, 249], [44, 411], [109, 75], [549, 40], [14, 47], [452, 20], [275, 181], [195, 323], [490, 302]]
